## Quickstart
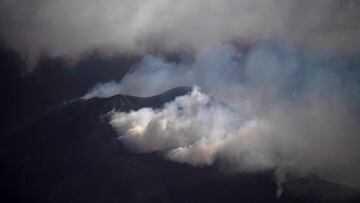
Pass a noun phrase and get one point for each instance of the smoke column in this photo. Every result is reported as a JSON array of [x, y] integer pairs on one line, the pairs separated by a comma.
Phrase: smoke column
[[270, 108]]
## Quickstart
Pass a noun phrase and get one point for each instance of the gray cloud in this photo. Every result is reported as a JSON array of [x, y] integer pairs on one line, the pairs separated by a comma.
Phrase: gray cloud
[[72, 26]]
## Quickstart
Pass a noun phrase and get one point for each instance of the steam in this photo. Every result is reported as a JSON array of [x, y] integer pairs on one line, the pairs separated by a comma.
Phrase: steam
[[272, 108], [68, 27]]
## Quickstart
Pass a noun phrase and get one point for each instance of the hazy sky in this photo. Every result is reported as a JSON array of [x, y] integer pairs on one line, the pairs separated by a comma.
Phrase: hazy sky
[[72, 26]]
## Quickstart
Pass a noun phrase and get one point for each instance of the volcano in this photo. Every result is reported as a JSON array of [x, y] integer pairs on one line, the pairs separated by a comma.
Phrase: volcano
[[72, 154]]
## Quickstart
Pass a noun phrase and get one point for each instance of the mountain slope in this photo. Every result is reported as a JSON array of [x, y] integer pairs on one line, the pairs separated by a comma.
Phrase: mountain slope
[[71, 154]]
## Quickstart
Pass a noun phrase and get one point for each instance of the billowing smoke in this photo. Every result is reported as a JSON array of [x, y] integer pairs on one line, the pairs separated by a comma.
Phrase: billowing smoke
[[192, 129], [272, 108], [72, 26]]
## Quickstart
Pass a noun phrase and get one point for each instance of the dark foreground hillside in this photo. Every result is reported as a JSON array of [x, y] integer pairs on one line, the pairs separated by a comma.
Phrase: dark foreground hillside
[[71, 154]]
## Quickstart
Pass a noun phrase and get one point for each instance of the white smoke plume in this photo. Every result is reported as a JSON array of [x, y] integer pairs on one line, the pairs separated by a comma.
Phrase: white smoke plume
[[181, 128], [285, 111], [71, 26], [195, 130]]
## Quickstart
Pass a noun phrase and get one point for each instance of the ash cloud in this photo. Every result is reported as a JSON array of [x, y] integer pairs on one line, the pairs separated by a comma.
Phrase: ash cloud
[[69, 27], [285, 111]]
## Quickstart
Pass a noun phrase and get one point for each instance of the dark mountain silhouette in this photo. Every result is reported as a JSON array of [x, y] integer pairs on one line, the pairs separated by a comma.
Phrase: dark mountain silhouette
[[71, 154], [27, 94]]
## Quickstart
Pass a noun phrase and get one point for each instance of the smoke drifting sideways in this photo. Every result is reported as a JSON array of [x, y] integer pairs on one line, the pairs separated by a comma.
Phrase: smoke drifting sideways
[[69, 27], [271, 108]]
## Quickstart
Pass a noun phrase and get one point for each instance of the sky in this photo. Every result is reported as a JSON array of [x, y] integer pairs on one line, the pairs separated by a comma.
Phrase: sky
[[69, 27]]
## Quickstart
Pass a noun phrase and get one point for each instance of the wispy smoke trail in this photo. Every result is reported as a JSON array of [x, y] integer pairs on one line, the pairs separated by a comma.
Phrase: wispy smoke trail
[[285, 111]]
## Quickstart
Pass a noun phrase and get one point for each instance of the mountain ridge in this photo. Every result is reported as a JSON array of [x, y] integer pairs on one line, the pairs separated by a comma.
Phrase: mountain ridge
[[72, 154]]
